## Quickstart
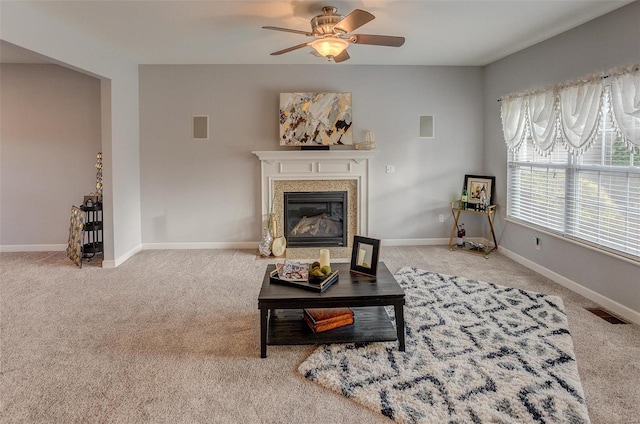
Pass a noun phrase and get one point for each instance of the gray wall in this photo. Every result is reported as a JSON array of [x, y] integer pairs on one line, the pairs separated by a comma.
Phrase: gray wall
[[209, 191], [606, 42], [50, 133]]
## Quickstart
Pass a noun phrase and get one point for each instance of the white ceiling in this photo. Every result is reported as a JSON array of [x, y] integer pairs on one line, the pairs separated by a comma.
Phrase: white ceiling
[[452, 32]]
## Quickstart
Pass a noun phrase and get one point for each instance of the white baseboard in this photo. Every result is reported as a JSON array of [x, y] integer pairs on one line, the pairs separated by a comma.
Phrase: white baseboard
[[254, 244], [202, 245], [33, 248], [122, 258], [609, 304], [414, 242]]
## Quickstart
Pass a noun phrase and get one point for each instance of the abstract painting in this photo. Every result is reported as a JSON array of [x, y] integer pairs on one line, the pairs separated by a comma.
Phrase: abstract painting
[[312, 119]]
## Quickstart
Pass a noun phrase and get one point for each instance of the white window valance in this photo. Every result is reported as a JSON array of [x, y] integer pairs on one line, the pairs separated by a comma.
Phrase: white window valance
[[625, 102], [514, 121], [542, 113], [570, 113]]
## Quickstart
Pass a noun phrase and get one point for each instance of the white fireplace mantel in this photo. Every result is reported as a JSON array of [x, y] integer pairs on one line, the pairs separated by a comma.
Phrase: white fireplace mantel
[[318, 165]]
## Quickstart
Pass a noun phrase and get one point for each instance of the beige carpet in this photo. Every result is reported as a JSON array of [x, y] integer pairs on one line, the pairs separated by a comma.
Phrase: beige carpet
[[173, 336]]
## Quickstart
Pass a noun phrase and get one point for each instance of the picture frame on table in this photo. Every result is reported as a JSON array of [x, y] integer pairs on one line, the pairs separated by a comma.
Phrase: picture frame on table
[[478, 187], [364, 255]]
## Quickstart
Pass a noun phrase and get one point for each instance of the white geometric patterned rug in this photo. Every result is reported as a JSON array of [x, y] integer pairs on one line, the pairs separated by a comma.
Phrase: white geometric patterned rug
[[475, 353]]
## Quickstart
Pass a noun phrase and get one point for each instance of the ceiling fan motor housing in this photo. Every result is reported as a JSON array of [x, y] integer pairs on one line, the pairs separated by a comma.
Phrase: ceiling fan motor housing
[[323, 25]]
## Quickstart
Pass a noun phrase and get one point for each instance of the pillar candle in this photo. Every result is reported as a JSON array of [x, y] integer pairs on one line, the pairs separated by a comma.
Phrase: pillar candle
[[324, 257]]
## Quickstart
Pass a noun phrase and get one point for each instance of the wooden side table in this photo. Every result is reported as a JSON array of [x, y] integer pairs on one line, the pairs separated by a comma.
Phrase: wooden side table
[[489, 212]]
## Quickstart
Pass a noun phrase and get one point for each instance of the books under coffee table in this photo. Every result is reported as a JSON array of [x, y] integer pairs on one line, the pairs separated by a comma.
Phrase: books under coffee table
[[282, 310], [324, 319]]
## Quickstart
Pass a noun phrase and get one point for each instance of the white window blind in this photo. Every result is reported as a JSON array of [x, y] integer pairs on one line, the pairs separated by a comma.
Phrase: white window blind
[[592, 195]]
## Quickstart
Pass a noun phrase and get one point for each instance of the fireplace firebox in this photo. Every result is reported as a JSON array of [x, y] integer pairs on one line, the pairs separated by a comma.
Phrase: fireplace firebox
[[314, 219]]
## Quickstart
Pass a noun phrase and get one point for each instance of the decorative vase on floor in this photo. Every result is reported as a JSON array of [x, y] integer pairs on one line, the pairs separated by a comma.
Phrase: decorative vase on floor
[[265, 245], [272, 225]]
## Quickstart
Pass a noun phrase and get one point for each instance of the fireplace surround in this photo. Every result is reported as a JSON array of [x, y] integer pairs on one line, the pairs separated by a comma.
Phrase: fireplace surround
[[317, 170]]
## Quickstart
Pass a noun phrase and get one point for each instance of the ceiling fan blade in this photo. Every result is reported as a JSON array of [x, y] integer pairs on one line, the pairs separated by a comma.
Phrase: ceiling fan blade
[[354, 20], [377, 40], [342, 57], [290, 49], [295, 31]]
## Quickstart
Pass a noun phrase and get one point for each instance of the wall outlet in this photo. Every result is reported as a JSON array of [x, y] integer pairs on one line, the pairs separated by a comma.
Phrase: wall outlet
[[390, 169], [441, 217], [536, 241]]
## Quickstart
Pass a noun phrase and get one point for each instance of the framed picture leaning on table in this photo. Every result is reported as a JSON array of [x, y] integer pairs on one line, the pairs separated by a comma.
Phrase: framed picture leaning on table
[[480, 189], [364, 256]]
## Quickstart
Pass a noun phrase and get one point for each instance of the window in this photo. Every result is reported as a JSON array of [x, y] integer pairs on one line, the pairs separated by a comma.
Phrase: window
[[591, 196]]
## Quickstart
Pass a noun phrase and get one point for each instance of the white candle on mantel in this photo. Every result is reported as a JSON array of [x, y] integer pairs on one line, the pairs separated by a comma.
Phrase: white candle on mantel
[[324, 257]]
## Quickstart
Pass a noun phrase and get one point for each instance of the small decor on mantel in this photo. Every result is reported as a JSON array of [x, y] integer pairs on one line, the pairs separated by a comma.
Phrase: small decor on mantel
[[369, 142]]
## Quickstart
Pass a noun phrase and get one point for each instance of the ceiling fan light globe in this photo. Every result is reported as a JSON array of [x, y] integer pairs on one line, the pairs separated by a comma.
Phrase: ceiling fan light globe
[[330, 46]]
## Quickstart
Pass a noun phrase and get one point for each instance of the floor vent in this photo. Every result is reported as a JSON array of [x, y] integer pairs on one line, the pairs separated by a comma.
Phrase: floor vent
[[606, 316]]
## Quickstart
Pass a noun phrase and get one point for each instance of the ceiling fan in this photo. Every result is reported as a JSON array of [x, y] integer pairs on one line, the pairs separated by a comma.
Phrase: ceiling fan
[[332, 33]]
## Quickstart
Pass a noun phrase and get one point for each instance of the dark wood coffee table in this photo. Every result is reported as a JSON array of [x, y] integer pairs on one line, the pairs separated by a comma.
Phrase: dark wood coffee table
[[281, 306]]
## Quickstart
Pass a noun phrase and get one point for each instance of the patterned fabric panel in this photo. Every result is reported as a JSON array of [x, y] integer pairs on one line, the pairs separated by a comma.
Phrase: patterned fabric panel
[[76, 235]]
